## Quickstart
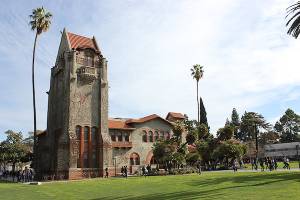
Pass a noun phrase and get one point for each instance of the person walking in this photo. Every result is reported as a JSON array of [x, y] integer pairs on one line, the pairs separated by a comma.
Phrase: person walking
[[106, 172], [125, 171]]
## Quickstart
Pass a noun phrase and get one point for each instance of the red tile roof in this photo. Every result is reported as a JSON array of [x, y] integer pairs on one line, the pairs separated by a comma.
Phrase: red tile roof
[[118, 124], [145, 119], [175, 115], [78, 41]]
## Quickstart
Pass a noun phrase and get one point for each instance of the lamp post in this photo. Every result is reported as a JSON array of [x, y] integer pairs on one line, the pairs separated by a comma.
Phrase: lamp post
[[115, 163], [297, 149]]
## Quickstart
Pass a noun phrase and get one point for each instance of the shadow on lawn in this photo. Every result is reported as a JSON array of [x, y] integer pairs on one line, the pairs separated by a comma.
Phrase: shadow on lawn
[[256, 179], [184, 195]]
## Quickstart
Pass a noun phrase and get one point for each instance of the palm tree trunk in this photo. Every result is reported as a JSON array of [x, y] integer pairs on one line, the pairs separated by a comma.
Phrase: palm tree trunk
[[34, 107], [198, 102]]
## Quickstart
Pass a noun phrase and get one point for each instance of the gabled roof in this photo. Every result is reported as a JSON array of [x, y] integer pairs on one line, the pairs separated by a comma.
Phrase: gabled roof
[[119, 124], [147, 118], [175, 115], [78, 41]]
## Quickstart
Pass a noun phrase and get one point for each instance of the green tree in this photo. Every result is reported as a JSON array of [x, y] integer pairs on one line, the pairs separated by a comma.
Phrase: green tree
[[229, 150], [294, 21], [269, 137], [288, 127], [235, 122], [13, 150], [203, 132], [40, 21], [203, 117], [197, 74], [225, 133], [251, 123]]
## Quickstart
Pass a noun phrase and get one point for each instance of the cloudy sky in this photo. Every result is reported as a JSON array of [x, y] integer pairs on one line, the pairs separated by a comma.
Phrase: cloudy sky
[[250, 62]]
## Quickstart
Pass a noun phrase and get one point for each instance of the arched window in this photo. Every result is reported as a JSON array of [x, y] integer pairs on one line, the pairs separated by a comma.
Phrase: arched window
[[144, 136], [134, 159], [168, 135], [153, 161], [86, 133], [162, 135], [126, 137], [94, 135], [113, 136], [78, 132], [150, 136], [156, 136], [120, 138]]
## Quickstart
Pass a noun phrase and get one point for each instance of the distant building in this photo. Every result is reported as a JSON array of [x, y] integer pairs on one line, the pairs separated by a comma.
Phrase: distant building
[[80, 140], [291, 150]]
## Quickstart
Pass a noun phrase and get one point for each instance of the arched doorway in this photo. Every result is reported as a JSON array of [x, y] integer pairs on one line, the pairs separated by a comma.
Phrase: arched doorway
[[134, 162]]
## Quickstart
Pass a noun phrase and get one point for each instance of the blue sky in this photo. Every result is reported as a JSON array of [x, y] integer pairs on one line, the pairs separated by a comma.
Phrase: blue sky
[[249, 61]]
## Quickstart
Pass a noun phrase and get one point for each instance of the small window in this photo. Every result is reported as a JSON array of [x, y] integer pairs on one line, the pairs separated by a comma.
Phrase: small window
[[144, 136], [120, 138], [168, 135], [126, 137], [150, 136], [94, 135], [86, 133], [137, 161], [156, 136], [113, 136], [162, 135], [131, 161], [78, 132]]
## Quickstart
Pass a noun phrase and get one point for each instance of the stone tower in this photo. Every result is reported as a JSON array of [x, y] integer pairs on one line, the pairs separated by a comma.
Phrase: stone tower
[[76, 143]]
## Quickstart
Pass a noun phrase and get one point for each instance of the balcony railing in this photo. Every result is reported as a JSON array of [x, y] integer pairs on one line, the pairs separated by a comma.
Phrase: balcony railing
[[122, 144], [87, 73]]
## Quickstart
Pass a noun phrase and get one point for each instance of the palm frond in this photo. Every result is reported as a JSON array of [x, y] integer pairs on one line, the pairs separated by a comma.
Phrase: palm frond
[[294, 21]]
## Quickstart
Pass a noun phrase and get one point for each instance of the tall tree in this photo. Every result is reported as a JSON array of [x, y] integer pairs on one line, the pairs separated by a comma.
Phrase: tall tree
[[251, 123], [203, 117], [294, 21], [235, 122], [197, 74], [288, 127], [40, 21]]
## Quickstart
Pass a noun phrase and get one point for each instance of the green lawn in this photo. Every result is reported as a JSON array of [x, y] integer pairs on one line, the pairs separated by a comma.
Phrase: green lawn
[[209, 185]]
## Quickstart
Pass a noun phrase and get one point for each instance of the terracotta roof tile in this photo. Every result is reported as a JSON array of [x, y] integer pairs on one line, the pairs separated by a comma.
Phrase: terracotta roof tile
[[78, 41], [145, 119], [118, 124], [176, 115]]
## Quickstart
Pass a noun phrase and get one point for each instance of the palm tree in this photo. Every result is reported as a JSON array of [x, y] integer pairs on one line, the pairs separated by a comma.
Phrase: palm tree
[[294, 28], [40, 21], [197, 74]]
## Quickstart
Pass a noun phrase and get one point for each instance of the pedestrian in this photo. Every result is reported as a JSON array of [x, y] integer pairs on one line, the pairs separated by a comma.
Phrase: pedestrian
[[288, 163], [122, 171], [125, 171], [106, 172], [262, 167], [144, 171], [234, 166]]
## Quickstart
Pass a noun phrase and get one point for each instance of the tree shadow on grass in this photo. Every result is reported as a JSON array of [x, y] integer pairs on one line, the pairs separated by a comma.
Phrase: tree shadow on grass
[[256, 179], [252, 180], [184, 195]]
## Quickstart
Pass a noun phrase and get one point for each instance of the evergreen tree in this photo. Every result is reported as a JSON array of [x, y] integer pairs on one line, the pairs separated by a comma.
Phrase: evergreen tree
[[235, 123], [203, 118], [288, 126]]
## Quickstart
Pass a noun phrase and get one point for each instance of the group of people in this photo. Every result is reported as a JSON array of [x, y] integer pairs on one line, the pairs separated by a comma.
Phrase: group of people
[[146, 170], [267, 163], [25, 175], [124, 171]]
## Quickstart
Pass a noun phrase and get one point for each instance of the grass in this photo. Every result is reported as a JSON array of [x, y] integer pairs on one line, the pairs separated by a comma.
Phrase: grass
[[209, 185]]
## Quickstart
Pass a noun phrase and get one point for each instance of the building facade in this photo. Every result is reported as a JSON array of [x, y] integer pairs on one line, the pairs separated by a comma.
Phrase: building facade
[[80, 140]]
